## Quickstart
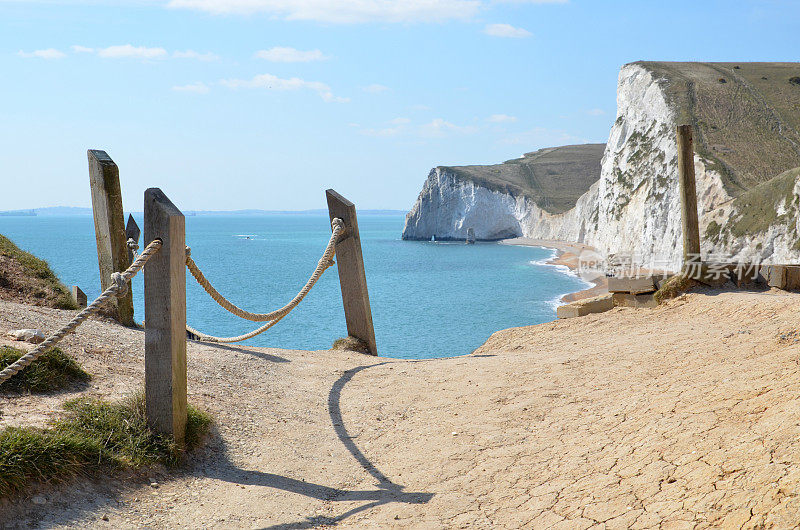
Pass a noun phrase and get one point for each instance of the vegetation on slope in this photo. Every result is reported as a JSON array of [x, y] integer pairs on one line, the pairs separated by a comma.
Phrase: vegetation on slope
[[554, 178], [92, 437], [765, 205], [54, 370], [746, 116], [28, 279]]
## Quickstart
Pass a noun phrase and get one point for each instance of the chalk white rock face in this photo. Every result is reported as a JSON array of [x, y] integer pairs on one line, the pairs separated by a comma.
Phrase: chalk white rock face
[[638, 199], [447, 207]]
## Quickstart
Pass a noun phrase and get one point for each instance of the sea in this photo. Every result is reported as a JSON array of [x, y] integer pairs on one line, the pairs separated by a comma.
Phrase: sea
[[429, 299]]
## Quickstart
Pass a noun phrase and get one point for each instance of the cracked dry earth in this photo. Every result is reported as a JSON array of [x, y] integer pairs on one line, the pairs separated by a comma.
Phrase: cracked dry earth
[[687, 415]]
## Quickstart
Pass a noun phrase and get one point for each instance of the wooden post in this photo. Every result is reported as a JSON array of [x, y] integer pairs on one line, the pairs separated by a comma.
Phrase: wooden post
[[109, 229], [78, 296], [688, 189], [352, 278], [131, 232], [165, 317]]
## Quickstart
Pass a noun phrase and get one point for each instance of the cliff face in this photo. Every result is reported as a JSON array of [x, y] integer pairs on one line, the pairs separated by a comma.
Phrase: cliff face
[[746, 146], [504, 200]]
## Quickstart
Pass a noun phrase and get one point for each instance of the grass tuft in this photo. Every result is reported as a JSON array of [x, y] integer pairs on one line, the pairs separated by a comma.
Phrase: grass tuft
[[54, 370], [351, 343], [674, 287], [94, 435]]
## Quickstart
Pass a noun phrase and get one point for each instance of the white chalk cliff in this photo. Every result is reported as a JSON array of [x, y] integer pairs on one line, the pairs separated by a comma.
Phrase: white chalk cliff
[[632, 209]]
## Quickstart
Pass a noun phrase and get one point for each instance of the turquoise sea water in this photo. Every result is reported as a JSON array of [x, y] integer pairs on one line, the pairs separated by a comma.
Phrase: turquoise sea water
[[428, 299]]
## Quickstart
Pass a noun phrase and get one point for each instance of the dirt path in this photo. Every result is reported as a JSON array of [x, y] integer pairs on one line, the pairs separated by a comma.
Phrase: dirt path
[[684, 416]]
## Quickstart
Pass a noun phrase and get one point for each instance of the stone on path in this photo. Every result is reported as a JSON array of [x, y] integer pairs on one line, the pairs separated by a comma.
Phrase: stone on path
[[28, 335]]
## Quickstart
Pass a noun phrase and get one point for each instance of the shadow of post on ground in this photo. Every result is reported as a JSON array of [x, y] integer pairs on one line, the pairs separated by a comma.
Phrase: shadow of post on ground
[[386, 492]]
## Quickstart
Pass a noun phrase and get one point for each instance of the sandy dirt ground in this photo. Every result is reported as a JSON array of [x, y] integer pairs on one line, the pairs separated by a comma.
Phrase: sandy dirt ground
[[687, 415]]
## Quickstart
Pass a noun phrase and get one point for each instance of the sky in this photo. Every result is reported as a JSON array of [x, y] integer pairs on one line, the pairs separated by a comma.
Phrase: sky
[[233, 104]]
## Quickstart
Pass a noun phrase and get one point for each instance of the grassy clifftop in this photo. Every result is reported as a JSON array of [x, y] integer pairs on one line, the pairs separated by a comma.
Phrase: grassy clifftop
[[27, 279], [746, 116], [554, 177]]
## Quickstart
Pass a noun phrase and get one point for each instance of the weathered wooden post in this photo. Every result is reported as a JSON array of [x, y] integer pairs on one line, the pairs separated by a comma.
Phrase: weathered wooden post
[[132, 232], [352, 278], [688, 189], [109, 229], [78, 296], [165, 317]]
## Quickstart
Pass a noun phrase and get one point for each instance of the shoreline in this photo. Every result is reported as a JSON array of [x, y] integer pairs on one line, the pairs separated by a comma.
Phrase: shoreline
[[566, 255]]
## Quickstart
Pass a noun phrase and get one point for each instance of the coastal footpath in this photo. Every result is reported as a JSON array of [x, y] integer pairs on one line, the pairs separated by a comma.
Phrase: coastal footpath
[[746, 118], [580, 423]]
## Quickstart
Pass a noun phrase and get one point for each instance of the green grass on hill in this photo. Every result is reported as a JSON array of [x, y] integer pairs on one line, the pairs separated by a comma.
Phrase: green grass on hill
[[54, 370], [758, 209], [746, 116], [39, 282], [554, 177], [93, 436]]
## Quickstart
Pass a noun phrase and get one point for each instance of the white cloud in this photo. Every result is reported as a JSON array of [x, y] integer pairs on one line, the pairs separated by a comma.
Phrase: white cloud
[[375, 88], [198, 87], [49, 53], [506, 30], [191, 54], [382, 133], [542, 137], [271, 82], [342, 11], [81, 49], [126, 51], [282, 54], [439, 127], [501, 118], [595, 112]]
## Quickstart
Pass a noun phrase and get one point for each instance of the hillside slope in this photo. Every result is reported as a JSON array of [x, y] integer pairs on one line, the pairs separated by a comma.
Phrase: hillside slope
[[746, 116], [26, 279]]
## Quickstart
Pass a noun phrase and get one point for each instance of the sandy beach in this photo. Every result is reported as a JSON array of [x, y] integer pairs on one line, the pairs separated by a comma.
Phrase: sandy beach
[[567, 255]]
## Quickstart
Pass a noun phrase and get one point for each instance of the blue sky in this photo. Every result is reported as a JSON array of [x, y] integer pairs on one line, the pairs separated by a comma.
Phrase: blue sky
[[228, 104]]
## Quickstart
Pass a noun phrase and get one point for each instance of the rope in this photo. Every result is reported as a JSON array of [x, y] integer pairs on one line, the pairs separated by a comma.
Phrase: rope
[[133, 246], [239, 338], [118, 287], [272, 318]]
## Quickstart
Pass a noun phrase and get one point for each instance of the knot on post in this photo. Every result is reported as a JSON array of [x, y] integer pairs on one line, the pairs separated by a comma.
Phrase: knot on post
[[120, 284], [188, 252], [133, 245]]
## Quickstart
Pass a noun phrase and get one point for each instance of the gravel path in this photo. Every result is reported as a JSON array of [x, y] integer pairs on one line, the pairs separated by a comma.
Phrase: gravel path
[[684, 416]]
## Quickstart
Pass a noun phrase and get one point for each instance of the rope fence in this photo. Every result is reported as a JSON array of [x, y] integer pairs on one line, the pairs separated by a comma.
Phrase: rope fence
[[119, 287], [273, 317], [165, 326]]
